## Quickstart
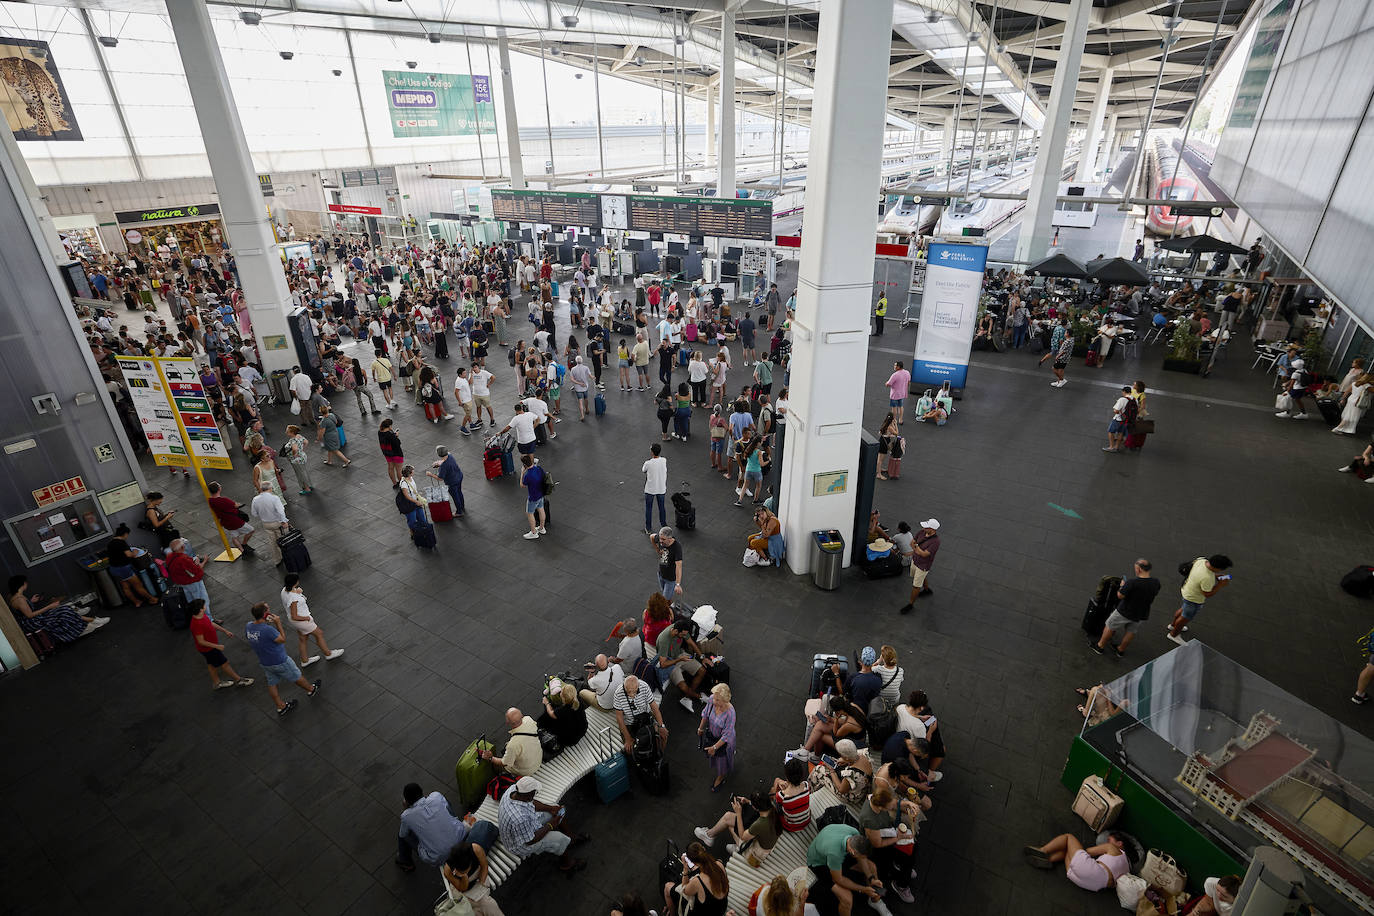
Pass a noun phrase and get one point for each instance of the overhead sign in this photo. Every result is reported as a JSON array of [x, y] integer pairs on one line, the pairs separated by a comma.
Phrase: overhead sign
[[187, 211], [949, 311], [438, 104], [265, 186], [736, 218], [35, 102], [354, 208], [1197, 209], [160, 405], [55, 493]]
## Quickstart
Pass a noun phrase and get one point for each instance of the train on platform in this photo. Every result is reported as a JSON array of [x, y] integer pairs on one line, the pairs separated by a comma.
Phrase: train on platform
[[1168, 178]]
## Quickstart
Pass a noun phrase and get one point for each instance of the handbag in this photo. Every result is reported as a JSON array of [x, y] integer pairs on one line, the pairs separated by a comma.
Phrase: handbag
[[670, 869], [1142, 427], [1283, 402], [549, 744], [1129, 889], [751, 557], [295, 407], [454, 906], [1163, 872]]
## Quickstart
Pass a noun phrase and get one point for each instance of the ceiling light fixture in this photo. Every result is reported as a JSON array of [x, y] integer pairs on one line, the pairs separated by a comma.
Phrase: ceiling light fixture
[[250, 17], [933, 17], [337, 72], [412, 64], [107, 41], [639, 60], [569, 21], [287, 55], [435, 38]]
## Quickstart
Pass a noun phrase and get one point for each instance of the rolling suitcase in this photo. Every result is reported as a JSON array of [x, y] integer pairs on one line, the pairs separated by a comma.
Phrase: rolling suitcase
[[1100, 607], [684, 356], [293, 552], [174, 609], [1330, 410], [423, 536], [613, 772], [894, 468], [440, 505], [507, 463], [599, 404], [650, 763], [822, 678], [689, 331], [884, 567], [472, 773], [41, 643], [1098, 805], [491, 467]]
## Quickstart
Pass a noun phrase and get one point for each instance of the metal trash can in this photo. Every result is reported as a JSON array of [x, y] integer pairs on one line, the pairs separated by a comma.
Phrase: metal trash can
[[98, 568], [279, 381], [827, 558]]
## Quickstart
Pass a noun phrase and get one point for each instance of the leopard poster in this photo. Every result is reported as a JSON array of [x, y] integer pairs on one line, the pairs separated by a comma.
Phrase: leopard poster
[[31, 93]]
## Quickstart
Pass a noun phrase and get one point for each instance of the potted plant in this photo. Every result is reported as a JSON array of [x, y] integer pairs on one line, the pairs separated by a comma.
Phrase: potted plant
[[1183, 353], [1083, 333], [1314, 355]]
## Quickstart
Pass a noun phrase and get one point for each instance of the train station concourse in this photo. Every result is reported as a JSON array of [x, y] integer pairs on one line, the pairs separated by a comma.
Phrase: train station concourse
[[701, 457]]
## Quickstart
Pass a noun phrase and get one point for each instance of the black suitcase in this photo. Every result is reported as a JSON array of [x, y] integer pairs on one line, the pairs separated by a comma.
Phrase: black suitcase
[[293, 553], [884, 567], [175, 610], [423, 536], [822, 680], [685, 521], [1359, 581], [654, 775], [1100, 607], [717, 673], [648, 757], [1330, 409]]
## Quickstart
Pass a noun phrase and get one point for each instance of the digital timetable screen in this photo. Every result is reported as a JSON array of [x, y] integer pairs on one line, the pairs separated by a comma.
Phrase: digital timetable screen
[[737, 219]]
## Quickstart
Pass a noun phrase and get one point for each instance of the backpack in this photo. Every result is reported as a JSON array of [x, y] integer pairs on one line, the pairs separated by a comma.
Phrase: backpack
[[1186, 567], [882, 716], [562, 372], [548, 483], [403, 504], [646, 669]]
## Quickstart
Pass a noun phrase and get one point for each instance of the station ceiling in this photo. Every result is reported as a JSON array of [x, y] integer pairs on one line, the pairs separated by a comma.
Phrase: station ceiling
[[942, 53]]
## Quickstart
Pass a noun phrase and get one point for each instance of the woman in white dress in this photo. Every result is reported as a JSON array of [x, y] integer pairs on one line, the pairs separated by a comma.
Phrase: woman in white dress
[[1356, 403], [1356, 370]]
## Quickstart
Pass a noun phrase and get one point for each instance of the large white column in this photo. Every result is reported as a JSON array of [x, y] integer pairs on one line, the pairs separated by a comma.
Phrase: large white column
[[515, 163], [1110, 142], [835, 277], [947, 142], [725, 181], [710, 128], [1088, 158], [1036, 231], [240, 200]]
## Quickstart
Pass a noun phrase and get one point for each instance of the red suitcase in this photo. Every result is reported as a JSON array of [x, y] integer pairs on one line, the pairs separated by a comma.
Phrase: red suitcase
[[441, 511], [492, 468]]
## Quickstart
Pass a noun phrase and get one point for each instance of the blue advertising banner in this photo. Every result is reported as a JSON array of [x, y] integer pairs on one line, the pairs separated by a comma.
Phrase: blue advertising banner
[[949, 313]]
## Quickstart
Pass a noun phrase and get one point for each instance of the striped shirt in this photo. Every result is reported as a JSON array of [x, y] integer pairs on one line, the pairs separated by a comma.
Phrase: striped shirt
[[638, 705]]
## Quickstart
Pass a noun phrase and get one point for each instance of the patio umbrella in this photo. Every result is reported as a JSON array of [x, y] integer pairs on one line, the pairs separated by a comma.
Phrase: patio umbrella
[[1058, 265], [1118, 270], [1200, 244]]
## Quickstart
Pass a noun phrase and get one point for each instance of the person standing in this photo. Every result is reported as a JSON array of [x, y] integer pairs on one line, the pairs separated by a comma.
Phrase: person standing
[[390, 444], [272, 513], [1061, 349], [746, 329], [446, 471], [879, 313], [1357, 401], [898, 387], [301, 389], [187, 571], [669, 562], [718, 720], [480, 379], [640, 355], [382, 373], [655, 487], [328, 434], [298, 612], [265, 635], [582, 385], [772, 301], [533, 479], [297, 455], [923, 550], [1116, 430], [1134, 598], [1206, 576], [203, 631], [231, 518], [462, 391]]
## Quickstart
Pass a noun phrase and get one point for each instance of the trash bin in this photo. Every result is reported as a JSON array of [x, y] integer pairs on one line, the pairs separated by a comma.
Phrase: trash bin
[[827, 557], [98, 568], [279, 381]]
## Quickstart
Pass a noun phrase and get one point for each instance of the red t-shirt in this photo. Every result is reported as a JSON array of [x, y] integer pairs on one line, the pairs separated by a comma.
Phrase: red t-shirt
[[183, 570], [227, 511], [203, 626], [652, 628]]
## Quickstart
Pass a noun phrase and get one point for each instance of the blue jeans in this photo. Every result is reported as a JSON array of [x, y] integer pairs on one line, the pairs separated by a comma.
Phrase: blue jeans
[[668, 587], [649, 512], [682, 419], [1019, 335]]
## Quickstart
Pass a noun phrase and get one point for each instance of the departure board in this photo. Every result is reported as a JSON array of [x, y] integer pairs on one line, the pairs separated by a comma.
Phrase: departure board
[[721, 218]]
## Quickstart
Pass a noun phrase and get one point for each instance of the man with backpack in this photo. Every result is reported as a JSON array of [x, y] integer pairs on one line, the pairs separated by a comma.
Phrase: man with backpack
[[633, 702], [1202, 578]]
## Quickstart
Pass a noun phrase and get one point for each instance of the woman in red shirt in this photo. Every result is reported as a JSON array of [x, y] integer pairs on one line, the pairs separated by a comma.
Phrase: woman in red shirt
[[657, 615]]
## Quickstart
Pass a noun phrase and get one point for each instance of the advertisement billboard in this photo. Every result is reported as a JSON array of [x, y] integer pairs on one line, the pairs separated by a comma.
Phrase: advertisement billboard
[[438, 104], [949, 312], [35, 102]]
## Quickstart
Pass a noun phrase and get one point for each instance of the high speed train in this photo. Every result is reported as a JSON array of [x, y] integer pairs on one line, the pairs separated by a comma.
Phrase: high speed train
[[1161, 161]]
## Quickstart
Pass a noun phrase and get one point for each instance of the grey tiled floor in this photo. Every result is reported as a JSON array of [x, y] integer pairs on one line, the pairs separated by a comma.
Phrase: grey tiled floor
[[125, 781]]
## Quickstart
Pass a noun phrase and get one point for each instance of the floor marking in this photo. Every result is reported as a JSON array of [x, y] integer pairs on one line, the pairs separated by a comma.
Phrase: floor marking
[[1069, 512]]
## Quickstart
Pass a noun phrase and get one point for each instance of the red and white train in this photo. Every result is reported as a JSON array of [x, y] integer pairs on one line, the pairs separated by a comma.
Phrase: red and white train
[[1169, 178]]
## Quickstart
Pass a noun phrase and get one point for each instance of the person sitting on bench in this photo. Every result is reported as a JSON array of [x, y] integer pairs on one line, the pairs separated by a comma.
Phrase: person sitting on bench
[[529, 827]]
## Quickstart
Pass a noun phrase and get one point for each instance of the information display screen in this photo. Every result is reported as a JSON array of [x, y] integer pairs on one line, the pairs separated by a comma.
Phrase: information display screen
[[699, 216]]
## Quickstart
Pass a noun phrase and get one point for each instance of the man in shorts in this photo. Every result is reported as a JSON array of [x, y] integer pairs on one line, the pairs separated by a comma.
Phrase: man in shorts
[[582, 385], [923, 549], [1116, 430], [1206, 577], [677, 662], [462, 390], [746, 336], [1134, 598], [381, 374], [203, 631], [838, 859], [898, 386], [481, 395], [1061, 348], [265, 635], [529, 827]]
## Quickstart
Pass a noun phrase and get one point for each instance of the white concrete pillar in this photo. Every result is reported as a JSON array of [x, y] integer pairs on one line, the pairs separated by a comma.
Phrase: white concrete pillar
[[1110, 143], [515, 163], [725, 180], [947, 143], [1036, 231], [240, 200], [1088, 158], [710, 128], [835, 276]]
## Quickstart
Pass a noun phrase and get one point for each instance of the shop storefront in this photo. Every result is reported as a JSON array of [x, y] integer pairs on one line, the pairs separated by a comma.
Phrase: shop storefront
[[80, 235], [165, 231]]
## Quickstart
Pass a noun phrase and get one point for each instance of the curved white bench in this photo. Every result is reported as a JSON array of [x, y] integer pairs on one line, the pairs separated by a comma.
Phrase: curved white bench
[[788, 855], [555, 777]]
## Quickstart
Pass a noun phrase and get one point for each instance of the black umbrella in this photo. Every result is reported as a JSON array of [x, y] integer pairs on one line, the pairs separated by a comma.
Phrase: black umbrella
[[1200, 244], [1118, 270], [1058, 265]]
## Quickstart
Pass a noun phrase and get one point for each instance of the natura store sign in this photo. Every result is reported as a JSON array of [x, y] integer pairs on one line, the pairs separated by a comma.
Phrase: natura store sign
[[186, 212]]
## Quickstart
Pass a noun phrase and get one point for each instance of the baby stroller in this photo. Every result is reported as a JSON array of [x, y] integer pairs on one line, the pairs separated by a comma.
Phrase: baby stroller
[[684, 513]]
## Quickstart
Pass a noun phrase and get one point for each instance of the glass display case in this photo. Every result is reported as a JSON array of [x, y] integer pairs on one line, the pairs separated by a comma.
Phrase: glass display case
[[1246, 763]]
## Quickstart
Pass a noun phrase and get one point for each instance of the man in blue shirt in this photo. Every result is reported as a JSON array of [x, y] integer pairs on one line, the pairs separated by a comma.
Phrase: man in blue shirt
[[446, 469], [740, 419], [430, 828], [265, 635]]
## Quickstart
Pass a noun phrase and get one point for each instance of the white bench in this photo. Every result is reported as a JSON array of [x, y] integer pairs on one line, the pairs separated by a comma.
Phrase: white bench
[[788, 855], [555, 777]]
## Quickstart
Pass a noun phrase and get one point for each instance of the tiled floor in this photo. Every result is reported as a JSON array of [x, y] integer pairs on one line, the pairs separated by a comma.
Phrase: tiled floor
[[128, 783]]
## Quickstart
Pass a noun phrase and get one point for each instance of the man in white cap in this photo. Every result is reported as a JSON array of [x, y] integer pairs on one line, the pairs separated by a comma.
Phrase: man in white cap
[[923, 550], [1294, 387], [529, 827]]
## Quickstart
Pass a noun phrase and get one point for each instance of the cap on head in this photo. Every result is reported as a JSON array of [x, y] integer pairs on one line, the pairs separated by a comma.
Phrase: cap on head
[[868, 656], [931, 523], [527, 785]]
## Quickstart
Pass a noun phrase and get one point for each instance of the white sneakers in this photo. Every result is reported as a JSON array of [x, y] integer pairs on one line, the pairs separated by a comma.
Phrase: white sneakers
[[310, 661], [701, 834], [1059, 383], [335, 653], [1299, 416], [686, 703], [1344, 470], [1284, 415], [531, 535]]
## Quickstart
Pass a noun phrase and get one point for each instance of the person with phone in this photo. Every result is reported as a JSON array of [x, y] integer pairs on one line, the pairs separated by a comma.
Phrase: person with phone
[[1203, 579], [703, 883], [839, 859], [268, 640]]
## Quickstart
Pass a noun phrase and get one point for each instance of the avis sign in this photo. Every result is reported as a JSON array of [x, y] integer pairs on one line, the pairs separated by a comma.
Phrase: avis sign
[[168, 397]]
